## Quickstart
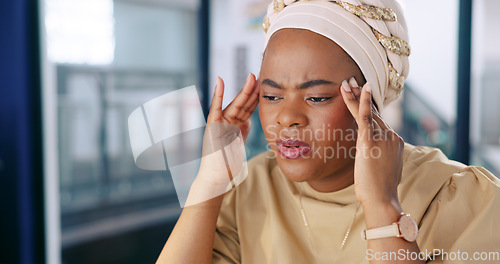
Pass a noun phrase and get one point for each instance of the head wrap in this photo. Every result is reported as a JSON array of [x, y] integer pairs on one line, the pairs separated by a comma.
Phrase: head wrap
[[372, 32]]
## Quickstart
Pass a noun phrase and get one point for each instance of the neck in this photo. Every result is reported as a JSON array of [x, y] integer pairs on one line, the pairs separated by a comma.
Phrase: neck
[[336, 181]]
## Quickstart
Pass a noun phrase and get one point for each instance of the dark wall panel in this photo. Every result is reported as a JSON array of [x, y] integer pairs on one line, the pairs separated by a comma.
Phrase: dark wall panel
[[21, 177]]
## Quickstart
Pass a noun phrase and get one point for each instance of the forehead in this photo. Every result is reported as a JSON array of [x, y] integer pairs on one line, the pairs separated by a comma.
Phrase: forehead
[[301, 53]]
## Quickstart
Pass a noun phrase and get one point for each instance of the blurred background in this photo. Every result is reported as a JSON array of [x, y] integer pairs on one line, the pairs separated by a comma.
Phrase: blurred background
[[71, 72]]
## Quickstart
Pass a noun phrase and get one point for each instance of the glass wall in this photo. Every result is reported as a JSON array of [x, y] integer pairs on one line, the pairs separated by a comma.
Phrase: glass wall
[[428, 104], [103, 59], [485, 88]]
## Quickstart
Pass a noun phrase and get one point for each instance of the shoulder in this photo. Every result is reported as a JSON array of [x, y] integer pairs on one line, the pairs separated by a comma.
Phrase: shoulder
[[417, 156], [255, 175], [429, 176], [427, 165], [263, 167], [454, 204], [261, 171], [258, 186], [263, 161], [432, 165]]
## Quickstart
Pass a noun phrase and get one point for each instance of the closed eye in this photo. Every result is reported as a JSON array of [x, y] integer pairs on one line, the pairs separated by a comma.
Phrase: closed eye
[[319, 99]]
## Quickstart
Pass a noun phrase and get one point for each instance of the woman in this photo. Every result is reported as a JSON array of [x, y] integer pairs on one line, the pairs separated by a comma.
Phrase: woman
[[335, 168]]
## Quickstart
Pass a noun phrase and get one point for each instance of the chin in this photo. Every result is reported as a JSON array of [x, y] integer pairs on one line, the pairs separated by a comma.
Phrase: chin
[[296, 177], [297, 171]]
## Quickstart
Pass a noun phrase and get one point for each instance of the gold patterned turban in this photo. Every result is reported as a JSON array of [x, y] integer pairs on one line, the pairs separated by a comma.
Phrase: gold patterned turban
[[372, 32]]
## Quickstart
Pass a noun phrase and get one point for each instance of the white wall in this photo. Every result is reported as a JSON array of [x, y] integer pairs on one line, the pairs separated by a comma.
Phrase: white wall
[[433, 28], [485, 116], [232, 27], [154, 37]]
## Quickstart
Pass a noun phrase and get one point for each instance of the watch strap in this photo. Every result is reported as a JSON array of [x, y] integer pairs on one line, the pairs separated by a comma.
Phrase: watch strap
[[381, 232]]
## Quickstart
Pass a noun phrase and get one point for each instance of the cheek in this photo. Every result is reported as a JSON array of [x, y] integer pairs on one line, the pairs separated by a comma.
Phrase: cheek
[[337, 115], [262, 113], [265, 116]]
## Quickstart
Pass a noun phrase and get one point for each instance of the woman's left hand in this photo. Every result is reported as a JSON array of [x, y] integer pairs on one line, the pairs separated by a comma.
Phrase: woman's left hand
[[379, 155]]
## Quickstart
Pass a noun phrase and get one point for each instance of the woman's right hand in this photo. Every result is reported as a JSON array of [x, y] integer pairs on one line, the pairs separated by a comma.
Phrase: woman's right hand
[[239, 110], [195, 229], [223, 142]]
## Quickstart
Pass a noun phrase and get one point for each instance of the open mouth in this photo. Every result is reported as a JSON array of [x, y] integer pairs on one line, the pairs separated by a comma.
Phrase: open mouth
[[290, 148]]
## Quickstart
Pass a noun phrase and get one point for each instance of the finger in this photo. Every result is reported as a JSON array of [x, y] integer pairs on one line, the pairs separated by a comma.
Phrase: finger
[[353, 82], [365, 120], [245, 129], [377, 129], [356, 90], [349, 99], [243, 96], [378, 118], [383, 125], [380, 127], [378, 122], [250, 111], [250, 105], [215, 113]]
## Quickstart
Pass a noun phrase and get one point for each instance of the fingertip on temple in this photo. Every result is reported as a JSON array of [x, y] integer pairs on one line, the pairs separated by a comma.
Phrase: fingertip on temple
[[368, 87]]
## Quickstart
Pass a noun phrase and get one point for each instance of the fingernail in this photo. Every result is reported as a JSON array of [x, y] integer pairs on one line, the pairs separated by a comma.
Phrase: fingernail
[[353, 82], [368, 87], [346, 86]]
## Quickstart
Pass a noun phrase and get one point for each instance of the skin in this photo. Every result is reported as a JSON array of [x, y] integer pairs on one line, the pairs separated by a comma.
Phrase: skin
[[288, 90], [292, 110]]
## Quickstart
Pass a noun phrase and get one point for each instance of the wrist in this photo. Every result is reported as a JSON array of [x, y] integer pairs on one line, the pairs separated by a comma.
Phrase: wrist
[[206, 193], [381, 213]]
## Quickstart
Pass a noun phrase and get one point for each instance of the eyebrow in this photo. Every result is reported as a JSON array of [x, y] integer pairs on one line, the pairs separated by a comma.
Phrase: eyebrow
[[305, 85]]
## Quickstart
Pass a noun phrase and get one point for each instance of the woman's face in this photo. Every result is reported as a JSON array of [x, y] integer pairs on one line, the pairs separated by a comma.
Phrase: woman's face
[[304, 117]]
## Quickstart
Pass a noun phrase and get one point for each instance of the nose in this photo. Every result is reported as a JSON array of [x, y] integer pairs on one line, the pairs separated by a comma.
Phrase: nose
[[291, 115]]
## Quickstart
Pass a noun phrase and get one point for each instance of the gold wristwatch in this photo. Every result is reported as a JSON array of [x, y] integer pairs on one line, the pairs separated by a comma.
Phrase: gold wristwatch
[[405, 228]]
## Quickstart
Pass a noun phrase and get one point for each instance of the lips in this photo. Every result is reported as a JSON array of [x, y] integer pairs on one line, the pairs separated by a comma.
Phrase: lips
[[290, 148]]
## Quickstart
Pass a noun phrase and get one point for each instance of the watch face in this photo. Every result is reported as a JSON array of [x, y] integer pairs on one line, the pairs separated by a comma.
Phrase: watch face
[[408, 228]]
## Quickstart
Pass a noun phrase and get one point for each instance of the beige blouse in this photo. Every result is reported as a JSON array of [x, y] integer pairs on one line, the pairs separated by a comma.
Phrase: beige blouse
[[457, 209]]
